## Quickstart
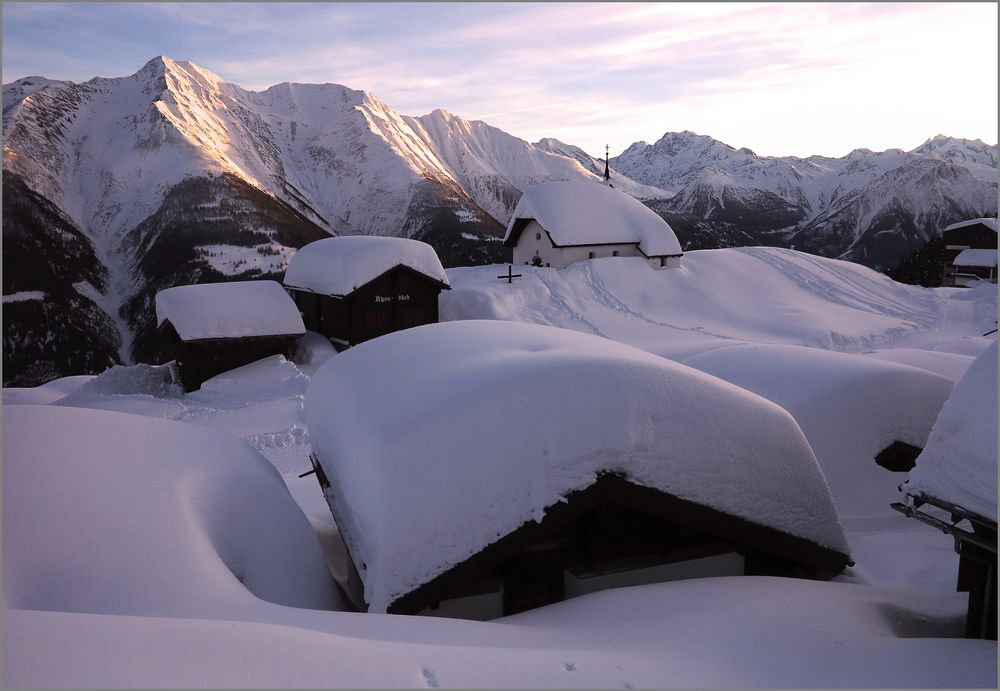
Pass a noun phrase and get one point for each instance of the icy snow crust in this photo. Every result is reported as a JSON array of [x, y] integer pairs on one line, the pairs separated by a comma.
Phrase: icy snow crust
[[959, 463], [229, 310], [340, 265], [458, 433], [587, 213]]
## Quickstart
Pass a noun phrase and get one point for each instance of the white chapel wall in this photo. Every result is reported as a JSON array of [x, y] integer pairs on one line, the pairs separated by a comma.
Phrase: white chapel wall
[[534, 240]]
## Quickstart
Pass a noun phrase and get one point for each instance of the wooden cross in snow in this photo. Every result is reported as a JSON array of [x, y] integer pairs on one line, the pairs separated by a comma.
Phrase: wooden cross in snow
[[510, 275]]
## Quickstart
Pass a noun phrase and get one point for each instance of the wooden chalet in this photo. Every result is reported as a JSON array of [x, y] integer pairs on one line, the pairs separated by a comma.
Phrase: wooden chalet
[[352, 289], [960, 267], [953, 487], [613, 533], [976, 544], [211, 328], [644, 514]]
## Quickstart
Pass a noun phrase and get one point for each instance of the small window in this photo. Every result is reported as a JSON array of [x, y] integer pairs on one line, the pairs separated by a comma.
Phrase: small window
[[615, 253], [663, 262], [538, 236], [591, 255], [547, 264]]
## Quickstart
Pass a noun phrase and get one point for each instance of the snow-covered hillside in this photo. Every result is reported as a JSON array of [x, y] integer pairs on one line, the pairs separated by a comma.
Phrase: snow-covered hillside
[[93, 596], [724, 297]]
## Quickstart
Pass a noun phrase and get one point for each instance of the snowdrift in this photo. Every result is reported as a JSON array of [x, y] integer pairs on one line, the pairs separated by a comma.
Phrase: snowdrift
[[459, 433], [849, 407], [717, 296], [122, 514], [709, 633]]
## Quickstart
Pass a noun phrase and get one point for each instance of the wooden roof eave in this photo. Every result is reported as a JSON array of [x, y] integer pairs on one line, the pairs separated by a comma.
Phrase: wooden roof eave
[[618, 489], [162, 326], [429, 279]]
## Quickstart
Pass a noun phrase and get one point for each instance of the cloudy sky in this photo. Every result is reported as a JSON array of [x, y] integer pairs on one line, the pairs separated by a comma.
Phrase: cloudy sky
[[782, 79]]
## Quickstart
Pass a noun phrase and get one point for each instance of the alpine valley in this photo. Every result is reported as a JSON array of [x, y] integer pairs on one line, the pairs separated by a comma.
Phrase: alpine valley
[[114, 189]]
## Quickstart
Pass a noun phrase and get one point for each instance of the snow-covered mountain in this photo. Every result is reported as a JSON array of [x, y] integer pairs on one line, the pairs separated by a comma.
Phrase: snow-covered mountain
[[172, 175], [869, 207]]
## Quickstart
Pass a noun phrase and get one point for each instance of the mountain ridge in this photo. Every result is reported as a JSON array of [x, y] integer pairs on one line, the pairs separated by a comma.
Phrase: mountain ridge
[[173, 156]]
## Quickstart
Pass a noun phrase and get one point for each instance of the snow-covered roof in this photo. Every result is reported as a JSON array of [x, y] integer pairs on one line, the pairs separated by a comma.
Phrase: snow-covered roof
[[849, 406], [990, 223], [229, 310], [959, 463], [588, 213], [976, 257], [460, 432], [340, 265]]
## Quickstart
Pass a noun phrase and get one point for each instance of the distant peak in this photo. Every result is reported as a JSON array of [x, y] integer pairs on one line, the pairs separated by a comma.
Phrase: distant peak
[[943, 141], [685, 134], [162, 65], [157, 66], [549, 143]]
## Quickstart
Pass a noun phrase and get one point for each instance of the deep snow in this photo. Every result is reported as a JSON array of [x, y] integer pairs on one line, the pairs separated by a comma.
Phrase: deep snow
[[880, 624], [459, 433], [849, 408], [229, 310]]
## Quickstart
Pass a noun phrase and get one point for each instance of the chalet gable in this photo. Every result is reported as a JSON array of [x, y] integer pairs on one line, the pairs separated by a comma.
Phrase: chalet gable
[[352, 289], [339, 266], [209, 328]]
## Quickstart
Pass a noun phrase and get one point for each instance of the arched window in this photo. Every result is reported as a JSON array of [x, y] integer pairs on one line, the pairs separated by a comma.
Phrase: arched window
[[591, 255], [538, 236], [615, 253]]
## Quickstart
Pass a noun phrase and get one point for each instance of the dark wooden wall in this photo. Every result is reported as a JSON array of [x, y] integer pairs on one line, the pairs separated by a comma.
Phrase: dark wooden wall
[[614, 524], [977, 236], [399, 299], [201, 360]]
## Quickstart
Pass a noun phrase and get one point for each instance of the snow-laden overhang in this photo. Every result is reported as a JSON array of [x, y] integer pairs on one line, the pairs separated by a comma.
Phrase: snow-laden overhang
[[439, 440]]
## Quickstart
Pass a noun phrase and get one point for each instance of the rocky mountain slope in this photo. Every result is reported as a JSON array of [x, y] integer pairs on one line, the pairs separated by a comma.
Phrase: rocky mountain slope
[[128, 185], [869, 207]]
